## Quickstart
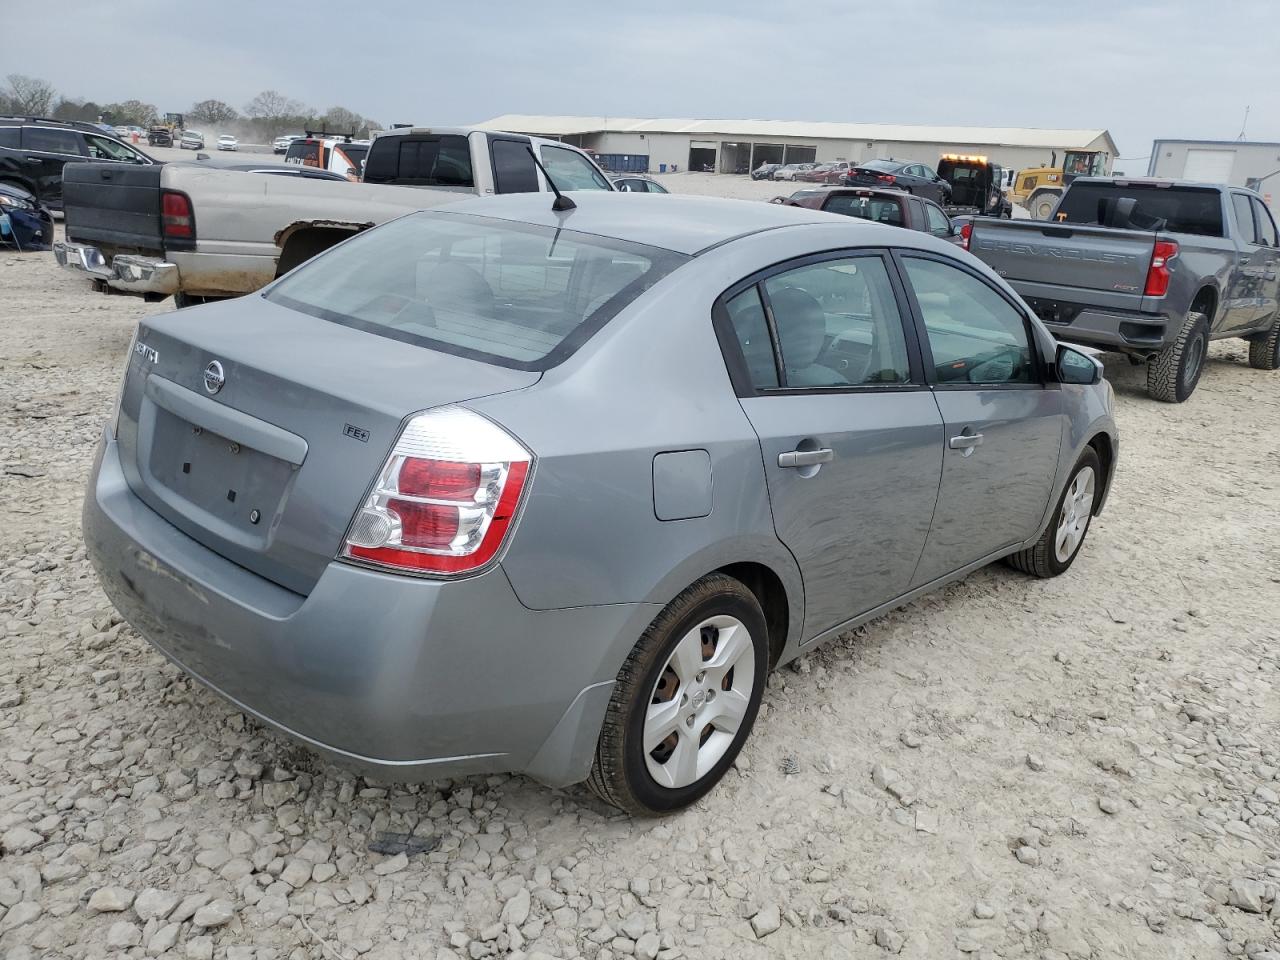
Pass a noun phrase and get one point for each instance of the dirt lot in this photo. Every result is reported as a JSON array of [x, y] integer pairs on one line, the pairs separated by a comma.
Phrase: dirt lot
[[1085, 767]]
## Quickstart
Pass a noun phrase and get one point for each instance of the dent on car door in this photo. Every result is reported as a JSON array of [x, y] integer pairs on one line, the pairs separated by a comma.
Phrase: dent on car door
[[830, 378], [1003, 424]]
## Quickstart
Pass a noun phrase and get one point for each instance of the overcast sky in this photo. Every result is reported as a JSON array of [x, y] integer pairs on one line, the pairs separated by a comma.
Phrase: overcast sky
[[1140, 68]]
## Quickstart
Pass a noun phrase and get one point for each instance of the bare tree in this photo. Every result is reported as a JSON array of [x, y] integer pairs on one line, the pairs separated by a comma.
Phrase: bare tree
[[213, 112], [342, 120], [29, 96], [273, 105], [130, 112]]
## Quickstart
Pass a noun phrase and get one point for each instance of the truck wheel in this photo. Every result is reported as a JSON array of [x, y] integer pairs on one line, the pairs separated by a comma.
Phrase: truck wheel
[[1264, 348], [1041, 204], [1062, 539], [685, 700], [1173, 374]]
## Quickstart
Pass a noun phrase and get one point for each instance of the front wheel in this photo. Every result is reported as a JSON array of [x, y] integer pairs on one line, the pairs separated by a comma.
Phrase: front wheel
[[1174, 372], [685, 700], [1062, 539], [1041, 205], [1264, 348]]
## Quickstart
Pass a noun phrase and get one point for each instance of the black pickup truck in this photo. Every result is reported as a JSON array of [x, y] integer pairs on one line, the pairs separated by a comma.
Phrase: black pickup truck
[[1151, 268]]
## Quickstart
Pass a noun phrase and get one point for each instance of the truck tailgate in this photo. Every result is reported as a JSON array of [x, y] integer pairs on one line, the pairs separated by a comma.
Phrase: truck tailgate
[[116, 205], [1064, 256]]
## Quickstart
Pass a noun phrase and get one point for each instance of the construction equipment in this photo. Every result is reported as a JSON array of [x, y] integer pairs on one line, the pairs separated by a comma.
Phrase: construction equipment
[[1039, 188]]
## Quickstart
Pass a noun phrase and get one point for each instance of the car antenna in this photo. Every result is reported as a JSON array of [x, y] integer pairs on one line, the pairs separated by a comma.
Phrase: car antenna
[[561, 202]]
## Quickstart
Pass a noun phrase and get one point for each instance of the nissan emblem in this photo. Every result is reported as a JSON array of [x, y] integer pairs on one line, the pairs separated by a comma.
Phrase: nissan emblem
[[214, 378]]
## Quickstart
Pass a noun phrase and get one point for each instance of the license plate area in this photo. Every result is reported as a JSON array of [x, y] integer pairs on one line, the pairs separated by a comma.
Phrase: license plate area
[[222, 485]]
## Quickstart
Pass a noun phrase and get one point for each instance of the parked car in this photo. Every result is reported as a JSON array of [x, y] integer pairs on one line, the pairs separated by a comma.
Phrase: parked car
[[905, 175], [25, 223], [765, 171], [634, 183], [790, 170], [281, 144], [191, 140], [34, 150], [896, 208], [160, 136], [220, 227], [122, 132], [437, 487], [1152, 268], [336, 154], [815, 174], [228, 142]]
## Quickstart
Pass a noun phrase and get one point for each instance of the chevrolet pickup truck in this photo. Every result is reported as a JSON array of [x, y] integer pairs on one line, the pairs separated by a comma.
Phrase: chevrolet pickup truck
[[208, 229], [1151, 268]]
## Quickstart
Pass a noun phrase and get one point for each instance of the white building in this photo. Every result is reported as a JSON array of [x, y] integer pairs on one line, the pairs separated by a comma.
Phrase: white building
[[736, 146], [1237, 162]]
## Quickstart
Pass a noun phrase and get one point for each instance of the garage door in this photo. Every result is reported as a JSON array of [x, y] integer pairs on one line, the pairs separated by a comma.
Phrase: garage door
[[1209, 166]]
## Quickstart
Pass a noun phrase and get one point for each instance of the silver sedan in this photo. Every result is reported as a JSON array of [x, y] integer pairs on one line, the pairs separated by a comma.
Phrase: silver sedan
[[504, 486]]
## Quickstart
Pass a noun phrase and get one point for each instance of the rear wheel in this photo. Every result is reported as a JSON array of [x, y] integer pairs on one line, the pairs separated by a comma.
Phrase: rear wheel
[[1042, 203], [1264, 348], [1174, 372], [685, 700], [1062, 539]]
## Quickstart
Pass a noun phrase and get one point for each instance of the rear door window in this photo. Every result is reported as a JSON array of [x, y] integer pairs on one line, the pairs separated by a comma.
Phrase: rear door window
[[508, 293], [10, 137], [52, 141], [571, 170], [443, 161], [1266, 226], [513, 168], [936, 221], [1244, 217]]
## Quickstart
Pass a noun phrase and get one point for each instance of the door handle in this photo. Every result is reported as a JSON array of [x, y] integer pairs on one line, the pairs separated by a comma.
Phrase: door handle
[[805, 458], [966, 441]]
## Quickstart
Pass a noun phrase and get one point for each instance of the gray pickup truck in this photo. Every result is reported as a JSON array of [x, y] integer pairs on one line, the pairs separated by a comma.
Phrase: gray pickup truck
[[1151, 268]]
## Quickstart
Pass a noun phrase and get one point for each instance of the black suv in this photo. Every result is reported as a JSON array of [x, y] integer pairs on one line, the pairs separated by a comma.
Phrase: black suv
[[33, 151]]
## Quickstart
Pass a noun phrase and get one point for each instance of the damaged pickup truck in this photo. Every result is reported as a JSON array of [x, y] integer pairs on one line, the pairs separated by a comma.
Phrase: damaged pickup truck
[[205, 230]]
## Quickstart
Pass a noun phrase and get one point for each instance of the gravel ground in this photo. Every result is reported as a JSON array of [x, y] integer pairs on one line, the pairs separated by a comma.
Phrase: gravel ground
[[1077, 768]]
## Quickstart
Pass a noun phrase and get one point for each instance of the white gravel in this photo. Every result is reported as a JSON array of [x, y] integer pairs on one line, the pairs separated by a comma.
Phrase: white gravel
[[1079, 768]]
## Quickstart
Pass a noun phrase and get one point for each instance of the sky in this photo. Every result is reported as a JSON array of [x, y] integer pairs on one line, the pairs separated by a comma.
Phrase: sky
[[1142, 69]]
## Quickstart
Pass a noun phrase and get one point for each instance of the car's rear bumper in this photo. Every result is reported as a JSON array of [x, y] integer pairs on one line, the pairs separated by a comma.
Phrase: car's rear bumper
[[128, 273], [407, 678], [1129, 330]]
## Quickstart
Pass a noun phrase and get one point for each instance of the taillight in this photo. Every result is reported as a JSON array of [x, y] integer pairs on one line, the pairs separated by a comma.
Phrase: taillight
[[966, 233], [887, 178], [446, 498], [1158, 272], [175, 215]]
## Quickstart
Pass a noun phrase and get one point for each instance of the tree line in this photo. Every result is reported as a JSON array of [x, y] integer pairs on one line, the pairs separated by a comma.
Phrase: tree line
[[266, 116]]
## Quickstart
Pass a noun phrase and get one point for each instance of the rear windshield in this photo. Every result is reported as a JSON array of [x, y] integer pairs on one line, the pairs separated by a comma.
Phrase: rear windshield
[[305, 152], [1192, 210], [514, 294], [443, 161], [880, 209], [880, 165]]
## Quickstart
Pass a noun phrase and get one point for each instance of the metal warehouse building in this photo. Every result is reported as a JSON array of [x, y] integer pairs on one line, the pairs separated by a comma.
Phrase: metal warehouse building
[[1237, 162], [737, 146]]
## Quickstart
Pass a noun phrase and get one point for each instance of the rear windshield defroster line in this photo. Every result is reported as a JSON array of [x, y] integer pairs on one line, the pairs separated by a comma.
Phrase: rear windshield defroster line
[[517, 295]]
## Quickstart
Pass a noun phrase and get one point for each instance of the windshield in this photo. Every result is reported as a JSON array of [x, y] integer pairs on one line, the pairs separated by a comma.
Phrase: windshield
[[1143, 206], [508, 293]]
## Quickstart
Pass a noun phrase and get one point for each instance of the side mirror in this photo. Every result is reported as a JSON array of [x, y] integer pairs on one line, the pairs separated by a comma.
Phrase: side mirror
[[1075, 366]]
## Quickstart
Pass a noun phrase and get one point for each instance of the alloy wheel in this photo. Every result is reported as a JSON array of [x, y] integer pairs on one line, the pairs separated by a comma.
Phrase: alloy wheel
[[1073, 519]]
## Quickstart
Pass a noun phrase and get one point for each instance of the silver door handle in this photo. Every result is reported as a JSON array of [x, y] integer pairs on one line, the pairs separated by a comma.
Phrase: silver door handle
[[805, 458], [965, 441]]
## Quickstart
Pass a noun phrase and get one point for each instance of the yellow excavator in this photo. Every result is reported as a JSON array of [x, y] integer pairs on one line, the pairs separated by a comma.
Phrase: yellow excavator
[[1038, 188]]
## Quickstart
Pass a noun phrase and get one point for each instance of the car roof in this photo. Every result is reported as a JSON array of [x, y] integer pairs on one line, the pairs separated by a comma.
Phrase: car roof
[[681, 223]]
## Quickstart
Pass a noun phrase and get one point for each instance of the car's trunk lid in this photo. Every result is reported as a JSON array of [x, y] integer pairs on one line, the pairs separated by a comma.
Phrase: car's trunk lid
[[268, 468]]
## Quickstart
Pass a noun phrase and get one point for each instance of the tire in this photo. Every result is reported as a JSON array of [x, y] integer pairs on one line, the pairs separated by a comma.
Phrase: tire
[[1174, 372], [627, 777], [1050, 557], [1042, 203], [1264, 348]]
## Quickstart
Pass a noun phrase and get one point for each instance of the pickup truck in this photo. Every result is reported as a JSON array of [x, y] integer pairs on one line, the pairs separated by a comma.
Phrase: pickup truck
[[1151, 268], [210, 229]]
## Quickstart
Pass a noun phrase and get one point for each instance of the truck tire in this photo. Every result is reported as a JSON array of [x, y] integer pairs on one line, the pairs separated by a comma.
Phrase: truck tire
[[1064, 535], [1174, 372], [1264, 348], [1042, 203]]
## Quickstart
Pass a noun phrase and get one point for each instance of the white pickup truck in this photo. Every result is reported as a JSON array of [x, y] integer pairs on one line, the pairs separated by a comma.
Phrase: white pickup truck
[[205, 230]]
